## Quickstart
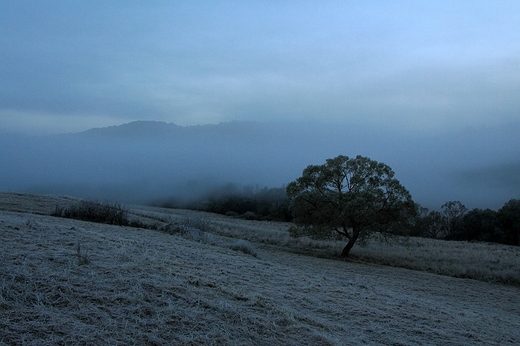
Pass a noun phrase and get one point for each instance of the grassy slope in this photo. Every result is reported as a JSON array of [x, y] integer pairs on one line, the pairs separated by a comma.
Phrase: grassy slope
[[146, 287]]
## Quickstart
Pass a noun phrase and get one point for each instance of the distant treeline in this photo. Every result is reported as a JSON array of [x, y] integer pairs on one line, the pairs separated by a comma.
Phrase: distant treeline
[[248, 202], [456, 222], [453, 222]]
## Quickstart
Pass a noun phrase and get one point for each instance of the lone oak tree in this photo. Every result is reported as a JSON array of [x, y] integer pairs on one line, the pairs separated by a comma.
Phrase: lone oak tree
[[352, 197]]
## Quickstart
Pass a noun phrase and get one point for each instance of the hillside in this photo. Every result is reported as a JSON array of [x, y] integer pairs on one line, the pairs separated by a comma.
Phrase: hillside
[[72, 282]]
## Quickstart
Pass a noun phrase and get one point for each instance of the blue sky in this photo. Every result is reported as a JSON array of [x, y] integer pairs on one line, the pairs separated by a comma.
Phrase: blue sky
[[416, 66]]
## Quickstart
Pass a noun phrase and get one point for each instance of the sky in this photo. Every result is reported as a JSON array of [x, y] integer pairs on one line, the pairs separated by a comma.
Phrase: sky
[[414, 66], [429, 87]]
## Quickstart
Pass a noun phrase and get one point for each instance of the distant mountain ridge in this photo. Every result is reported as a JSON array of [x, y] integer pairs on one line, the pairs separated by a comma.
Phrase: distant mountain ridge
[[135, 128], [142, 128]]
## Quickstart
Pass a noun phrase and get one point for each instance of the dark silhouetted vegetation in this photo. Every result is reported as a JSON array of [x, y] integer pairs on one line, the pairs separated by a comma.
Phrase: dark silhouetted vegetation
[[351, 198], [112, 214], [456, 222], [251, 203], [509, 220]]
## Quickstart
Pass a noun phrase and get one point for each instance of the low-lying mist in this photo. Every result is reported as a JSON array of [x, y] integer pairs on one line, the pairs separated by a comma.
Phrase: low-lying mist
[[143, 162]]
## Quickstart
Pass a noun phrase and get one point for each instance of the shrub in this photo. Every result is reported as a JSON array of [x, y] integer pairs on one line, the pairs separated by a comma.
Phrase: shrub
[[112, 214], [189, 228], [244, 246]]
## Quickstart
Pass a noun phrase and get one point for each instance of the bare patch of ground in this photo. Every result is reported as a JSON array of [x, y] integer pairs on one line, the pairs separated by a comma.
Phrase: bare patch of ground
[[72, 282]]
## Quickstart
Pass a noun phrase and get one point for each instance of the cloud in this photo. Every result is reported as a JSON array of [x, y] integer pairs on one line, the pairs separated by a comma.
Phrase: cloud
[[505, 176], [414, 65]]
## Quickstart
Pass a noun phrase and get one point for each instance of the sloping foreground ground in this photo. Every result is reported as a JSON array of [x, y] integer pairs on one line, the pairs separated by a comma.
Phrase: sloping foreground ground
[[125, 286]]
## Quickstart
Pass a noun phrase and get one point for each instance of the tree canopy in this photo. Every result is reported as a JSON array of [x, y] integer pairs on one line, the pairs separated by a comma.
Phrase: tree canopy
[[509, 216], [351, 197]]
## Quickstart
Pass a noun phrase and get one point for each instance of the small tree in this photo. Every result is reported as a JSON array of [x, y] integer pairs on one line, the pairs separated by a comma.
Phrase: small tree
[[509, 219], [428, 223], [434, 224], [453, 212], [350, 197]]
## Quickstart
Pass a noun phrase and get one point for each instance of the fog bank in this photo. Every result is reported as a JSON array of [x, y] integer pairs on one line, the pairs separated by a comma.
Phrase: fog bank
[[144, 161]]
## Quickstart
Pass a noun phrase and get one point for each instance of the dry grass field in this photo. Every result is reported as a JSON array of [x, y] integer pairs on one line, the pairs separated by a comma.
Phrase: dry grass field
[[223, 281]]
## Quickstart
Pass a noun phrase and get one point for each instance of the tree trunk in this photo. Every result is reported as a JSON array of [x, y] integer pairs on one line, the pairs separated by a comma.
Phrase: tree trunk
[[350, 244]]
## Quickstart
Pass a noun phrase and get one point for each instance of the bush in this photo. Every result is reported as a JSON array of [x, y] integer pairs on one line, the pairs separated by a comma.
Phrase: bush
[[189, 228], [112, 214], [244, 246], [250, 215]]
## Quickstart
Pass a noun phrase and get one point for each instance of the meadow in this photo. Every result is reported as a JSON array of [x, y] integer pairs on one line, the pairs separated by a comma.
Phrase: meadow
[[203, 278]]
